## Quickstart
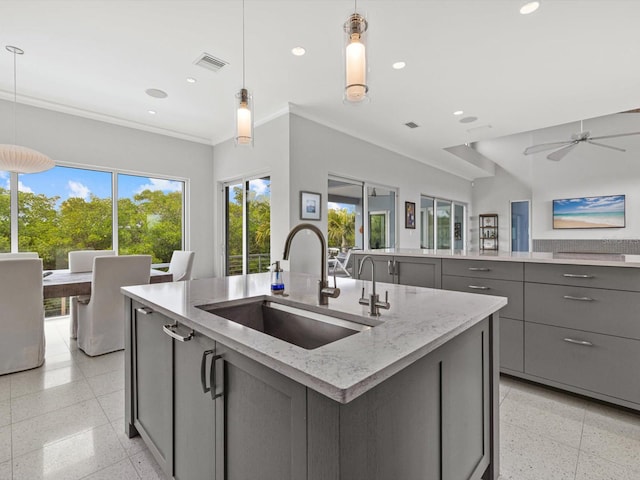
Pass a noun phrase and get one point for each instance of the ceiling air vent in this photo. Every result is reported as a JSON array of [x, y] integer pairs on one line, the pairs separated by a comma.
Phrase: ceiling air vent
[[210, 62], [412, 124]]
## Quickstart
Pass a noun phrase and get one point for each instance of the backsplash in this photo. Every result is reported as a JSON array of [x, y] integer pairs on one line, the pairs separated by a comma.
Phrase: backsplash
[[628, 247]]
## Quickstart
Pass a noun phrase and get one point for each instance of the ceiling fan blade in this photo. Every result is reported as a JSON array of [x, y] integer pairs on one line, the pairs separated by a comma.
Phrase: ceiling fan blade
[[614, 136], [606, 146], [543, 147], [560, 154]]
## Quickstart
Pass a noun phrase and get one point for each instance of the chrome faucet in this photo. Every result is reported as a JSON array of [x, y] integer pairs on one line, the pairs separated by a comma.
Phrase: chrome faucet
[[374, 301], [324, 290]]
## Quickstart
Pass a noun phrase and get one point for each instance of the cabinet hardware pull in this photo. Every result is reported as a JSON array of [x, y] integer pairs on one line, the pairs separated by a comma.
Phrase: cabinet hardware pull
[[144, 310], [578, 342], [203, 370], [390, 267], [582, 299], [479, 269], [171, 331], [478, 287], [212, 378], [396, 267], [575, 275]]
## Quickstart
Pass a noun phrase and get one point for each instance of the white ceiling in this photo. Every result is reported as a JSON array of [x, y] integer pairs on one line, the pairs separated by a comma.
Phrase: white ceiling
[[572, 59]]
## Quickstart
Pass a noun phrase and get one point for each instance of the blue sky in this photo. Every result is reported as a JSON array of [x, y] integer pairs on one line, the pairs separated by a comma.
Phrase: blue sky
[[612, 203], [67, 182]]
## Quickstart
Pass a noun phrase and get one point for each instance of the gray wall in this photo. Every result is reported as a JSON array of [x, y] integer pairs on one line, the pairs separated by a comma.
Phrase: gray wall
[[83, 142]]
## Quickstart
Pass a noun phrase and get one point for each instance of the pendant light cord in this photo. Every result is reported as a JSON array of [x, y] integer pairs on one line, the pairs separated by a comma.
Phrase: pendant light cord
[[243, 62], [15, 96]]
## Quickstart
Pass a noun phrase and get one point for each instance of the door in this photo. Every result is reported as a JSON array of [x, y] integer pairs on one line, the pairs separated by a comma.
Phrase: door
[[418, 272], [247, 226], [153, 384], [194, 409], [520, 226], [261, 428]]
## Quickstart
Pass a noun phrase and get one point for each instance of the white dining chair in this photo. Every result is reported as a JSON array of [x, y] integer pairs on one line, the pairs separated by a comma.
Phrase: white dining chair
[[101, 319], [22, 341], [181, 265], [81, 261], [8, 256]]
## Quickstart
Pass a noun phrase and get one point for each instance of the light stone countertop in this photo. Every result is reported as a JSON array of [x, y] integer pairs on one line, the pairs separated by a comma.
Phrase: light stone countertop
[[419, 321], [569, 258]]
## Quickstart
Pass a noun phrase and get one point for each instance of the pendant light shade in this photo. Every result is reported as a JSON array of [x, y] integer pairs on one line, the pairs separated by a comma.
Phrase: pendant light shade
[[244, 118], [356, 88], [244, 106], [16, 158]]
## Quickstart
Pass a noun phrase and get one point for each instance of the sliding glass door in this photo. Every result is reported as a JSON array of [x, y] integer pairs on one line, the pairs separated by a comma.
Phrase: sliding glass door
[[381, 212], [442, 224], [247, 226]]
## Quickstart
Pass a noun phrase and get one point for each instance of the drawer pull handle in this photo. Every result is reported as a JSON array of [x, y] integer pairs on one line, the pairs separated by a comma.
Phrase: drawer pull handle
[[575, 275], [581, 299], [478, 287], [479, 269], [171, 331], [144, 310], [203, 370], [212, 378], [578, 342]]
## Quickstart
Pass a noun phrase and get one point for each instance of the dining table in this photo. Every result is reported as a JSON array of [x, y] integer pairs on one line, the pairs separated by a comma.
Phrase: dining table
[[63, 283]]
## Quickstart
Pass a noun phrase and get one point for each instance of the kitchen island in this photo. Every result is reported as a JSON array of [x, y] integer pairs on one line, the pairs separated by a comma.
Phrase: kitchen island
[[571, 321], [412, 394]]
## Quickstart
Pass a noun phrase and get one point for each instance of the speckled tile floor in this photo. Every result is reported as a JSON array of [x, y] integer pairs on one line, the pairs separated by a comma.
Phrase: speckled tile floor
[[65, 421]]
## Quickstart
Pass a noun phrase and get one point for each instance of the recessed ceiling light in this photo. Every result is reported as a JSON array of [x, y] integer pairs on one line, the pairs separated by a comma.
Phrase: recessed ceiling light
[[298, 51], [152, 112], [529, 7], [156, 93], [399, 65], [191, 80], [458, 112]]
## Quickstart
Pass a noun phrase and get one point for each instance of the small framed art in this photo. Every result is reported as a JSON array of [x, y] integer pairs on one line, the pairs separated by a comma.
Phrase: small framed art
[[409, 215], [310, 206]]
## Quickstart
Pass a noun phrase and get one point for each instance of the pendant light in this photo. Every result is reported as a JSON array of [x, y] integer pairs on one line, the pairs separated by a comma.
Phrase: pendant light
[[244, 105], [356, 88], [16, 158]]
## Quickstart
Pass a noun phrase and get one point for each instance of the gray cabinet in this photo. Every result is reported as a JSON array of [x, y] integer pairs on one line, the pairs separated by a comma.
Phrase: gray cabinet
[[265, 431], [503, 279], [194, 415], [582, 331], [152, 379], [431, 420], [413, 271]]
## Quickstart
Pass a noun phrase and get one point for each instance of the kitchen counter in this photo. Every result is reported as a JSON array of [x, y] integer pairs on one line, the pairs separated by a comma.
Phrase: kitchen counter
[[418, 322], [566, 258]]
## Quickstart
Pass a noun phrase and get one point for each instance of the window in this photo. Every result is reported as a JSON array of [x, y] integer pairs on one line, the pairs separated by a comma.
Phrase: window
[[68, 208], [5, 212], [426, 222], [442, 228], [150, 216], [247, 226], [344, 214], [64, 209]]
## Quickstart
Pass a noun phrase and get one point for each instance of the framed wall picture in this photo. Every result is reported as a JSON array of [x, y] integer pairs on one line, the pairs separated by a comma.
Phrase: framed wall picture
[[409, 215], [589, 212], [310, 206]]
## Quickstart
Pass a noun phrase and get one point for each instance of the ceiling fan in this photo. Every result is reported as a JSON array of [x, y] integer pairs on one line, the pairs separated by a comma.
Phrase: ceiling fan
[[563, 148]]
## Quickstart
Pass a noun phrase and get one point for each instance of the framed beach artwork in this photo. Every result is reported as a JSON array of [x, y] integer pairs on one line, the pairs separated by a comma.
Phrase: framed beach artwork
[[310, 206], [589, 212]]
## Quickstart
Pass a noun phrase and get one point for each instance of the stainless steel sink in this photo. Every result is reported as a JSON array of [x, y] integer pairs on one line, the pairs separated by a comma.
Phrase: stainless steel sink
[[300, 327]]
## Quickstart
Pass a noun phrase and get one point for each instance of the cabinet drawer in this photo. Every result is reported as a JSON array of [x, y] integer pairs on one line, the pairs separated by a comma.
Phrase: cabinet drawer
[[511, 344], [501, 288], [611, 312], [483, 269], [606, 366], [614, 278]]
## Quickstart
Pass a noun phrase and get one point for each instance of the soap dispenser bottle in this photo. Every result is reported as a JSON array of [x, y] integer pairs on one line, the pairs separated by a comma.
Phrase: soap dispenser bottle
[[277, 283]]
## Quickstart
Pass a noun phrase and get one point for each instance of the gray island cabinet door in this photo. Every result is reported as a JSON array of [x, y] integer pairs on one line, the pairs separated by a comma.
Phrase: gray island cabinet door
[[153, 383], [383, 268], [261, 430], [194, 409], [418, 272]]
